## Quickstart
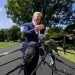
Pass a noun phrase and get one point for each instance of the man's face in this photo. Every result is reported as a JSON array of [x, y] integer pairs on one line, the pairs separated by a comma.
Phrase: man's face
[[37, 18]]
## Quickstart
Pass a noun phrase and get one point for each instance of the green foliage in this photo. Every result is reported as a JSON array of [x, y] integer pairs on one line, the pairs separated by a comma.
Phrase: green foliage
[[54, 32], [48, 32], [17, 10], [57, 36], [6, 32], [57, 29], [14, 33], [70, 29], [21, 36], [11, 34], [2, 37], [54, 11]]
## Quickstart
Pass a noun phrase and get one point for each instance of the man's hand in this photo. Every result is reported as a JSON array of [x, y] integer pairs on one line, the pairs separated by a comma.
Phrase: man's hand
[[39, 27]]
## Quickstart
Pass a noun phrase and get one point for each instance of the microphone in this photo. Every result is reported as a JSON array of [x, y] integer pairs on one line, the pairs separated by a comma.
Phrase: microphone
[[29, 52], [51, 44], [42, 37]]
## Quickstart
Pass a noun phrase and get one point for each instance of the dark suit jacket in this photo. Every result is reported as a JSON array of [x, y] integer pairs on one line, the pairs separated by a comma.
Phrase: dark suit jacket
[[30, 34]]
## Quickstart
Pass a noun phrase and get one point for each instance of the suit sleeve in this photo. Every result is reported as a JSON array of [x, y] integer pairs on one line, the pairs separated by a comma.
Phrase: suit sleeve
[[25, 29]]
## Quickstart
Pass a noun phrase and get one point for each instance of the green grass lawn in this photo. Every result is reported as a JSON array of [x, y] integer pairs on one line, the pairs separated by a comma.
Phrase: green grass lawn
[[6, 44], [68, 56]]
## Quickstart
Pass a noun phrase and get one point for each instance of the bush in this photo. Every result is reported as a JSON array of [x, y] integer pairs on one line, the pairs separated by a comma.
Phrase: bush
[[21, 36], [53, 32], [2, 38], [48, 33]]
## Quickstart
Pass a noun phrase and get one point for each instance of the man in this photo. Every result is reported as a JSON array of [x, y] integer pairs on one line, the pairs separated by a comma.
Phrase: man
[[32, 30]]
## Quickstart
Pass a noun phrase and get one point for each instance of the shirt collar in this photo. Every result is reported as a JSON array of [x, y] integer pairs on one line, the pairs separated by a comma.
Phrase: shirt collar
[[34, 23]]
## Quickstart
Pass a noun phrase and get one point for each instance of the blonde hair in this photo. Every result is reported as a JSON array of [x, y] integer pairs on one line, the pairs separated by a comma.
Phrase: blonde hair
[[37, 13]]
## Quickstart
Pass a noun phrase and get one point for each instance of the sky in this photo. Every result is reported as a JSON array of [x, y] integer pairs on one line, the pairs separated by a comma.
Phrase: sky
[[4, 21], [7, 22]]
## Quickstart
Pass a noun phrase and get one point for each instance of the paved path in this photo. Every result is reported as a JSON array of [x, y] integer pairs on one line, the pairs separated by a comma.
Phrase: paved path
[[43, 69]]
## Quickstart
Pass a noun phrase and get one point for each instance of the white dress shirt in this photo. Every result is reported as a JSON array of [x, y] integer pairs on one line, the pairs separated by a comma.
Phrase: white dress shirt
[[35, 25]]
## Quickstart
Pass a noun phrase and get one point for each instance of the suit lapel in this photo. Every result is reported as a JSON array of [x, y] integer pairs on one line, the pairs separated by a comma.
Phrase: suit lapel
[[32, 25]]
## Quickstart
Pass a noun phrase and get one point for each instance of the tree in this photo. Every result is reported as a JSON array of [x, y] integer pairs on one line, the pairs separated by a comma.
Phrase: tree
[[2, 38], [54, 11], [6, 34], [14, 33], [70, 29]]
